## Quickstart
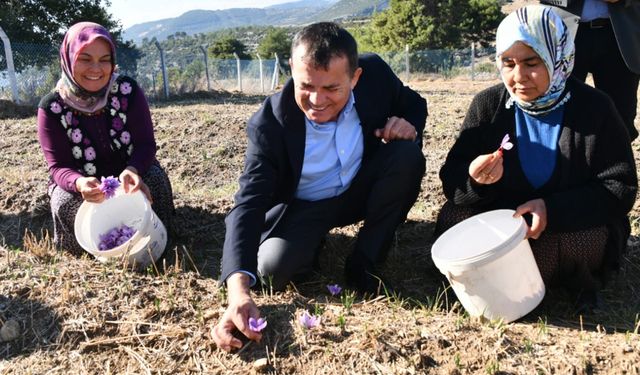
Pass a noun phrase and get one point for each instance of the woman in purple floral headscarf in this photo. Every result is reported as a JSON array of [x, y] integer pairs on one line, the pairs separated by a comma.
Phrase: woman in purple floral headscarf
[[95, 124]]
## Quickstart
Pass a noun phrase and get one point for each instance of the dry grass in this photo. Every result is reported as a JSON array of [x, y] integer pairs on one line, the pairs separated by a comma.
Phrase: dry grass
[[78, 316]]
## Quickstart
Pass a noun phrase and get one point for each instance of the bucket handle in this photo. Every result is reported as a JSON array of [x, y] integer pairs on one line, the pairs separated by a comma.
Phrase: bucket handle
[[452, 281]]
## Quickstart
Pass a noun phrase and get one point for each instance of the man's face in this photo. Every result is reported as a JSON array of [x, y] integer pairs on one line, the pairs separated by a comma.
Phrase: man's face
[[321, 94]]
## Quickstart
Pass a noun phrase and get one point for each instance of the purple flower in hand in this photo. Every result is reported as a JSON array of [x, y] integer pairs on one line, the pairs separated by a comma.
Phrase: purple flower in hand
[[334, 289], [108, 186], [257, 325], [505, 144], [308, 321]]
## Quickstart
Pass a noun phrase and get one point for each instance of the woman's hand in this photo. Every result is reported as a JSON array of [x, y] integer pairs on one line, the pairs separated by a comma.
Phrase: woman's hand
[[538, 210], [89, 188], [131, 182], [487, 169]]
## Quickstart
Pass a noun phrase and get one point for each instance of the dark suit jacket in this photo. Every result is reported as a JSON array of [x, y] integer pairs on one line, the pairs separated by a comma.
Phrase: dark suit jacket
[[275, 152], [625, 19]]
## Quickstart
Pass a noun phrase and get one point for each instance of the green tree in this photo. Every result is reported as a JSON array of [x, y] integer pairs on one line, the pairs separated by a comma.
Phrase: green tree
[[276, 40], [432, 24], [481, 21], [44, 22], [225, 47]]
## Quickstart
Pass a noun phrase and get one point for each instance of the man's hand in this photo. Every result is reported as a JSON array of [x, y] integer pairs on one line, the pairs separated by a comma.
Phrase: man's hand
[[89, 188], [241, 308], [396, 128], [538, 210]]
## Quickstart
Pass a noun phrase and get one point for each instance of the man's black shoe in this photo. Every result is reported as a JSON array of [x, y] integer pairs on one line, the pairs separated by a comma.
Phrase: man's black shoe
[[361, 275]]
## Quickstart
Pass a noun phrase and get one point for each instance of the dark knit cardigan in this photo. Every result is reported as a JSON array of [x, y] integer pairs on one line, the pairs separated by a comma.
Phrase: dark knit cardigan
[[594, 183]]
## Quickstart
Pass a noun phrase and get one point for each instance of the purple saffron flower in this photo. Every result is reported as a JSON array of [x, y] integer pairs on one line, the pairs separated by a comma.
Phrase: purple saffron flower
[[115, 237], [257, 325], [505, 144], [334, 289], [308, 321], [109, 186]]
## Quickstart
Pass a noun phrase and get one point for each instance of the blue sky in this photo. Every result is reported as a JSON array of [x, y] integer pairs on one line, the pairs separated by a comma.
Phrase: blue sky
[[131, 12]]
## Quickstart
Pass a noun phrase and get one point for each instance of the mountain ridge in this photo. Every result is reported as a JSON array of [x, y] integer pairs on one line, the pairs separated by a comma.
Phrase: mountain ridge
[[299, 12]]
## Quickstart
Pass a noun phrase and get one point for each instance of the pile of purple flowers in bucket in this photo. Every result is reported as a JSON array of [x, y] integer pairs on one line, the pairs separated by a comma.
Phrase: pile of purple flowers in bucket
[[115, 237]]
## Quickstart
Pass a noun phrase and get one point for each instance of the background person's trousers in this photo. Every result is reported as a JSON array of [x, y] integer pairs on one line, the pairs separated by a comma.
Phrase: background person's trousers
[[597, 53]]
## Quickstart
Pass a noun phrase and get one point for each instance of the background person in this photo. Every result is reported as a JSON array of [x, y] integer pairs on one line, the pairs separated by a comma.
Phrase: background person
[[96, 124], [571, 170], [608, 46], [340, 143]]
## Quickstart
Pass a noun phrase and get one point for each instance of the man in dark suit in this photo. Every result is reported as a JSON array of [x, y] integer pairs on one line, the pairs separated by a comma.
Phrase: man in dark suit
[[608, 47], [339, 144]]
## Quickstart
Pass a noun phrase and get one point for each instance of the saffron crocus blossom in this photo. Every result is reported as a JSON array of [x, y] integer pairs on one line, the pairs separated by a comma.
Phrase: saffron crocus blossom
[[505, 144], [334, 289], [257, 325], [308, 321], [115, 237], [109, 186]]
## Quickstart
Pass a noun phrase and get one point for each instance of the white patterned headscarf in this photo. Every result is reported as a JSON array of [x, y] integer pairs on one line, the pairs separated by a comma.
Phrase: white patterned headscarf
[[544, 31]]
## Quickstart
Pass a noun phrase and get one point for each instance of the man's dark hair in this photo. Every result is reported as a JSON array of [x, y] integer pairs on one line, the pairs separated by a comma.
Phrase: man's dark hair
[[324, 41]]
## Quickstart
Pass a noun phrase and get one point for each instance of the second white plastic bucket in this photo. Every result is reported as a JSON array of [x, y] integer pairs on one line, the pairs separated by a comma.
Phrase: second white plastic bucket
[[490, 265], [133, 210]]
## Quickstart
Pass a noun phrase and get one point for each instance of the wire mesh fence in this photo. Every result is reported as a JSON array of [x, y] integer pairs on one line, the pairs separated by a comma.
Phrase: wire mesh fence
[[37, 69]]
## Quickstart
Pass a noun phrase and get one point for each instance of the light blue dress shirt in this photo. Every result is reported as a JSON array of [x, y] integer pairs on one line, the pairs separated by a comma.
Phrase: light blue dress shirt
[[332, 155], [593, 9]]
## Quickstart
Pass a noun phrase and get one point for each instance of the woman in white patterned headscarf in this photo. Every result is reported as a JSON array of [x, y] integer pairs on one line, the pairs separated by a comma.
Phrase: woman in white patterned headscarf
[[564, 162]]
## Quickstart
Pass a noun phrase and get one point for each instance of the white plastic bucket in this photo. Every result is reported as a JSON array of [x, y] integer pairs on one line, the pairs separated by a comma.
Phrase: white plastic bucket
[[490, 265], [133, 210]]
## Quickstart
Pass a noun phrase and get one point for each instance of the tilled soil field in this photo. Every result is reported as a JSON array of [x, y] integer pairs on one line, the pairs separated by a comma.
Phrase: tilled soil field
[[62, 314]]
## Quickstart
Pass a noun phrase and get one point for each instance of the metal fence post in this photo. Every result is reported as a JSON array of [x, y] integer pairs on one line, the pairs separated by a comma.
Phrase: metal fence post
[[406, 62], [261, 77], [473, 61], [10, 67], [153, 81], [276, 70], [239, 69], [206, 65], [165, 81]]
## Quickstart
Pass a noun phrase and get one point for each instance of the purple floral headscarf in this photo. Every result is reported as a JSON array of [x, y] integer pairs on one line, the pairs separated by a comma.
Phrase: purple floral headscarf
[[76, 38]]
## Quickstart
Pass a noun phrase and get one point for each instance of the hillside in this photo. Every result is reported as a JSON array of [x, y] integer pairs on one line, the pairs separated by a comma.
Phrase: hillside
[[293, 13]]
